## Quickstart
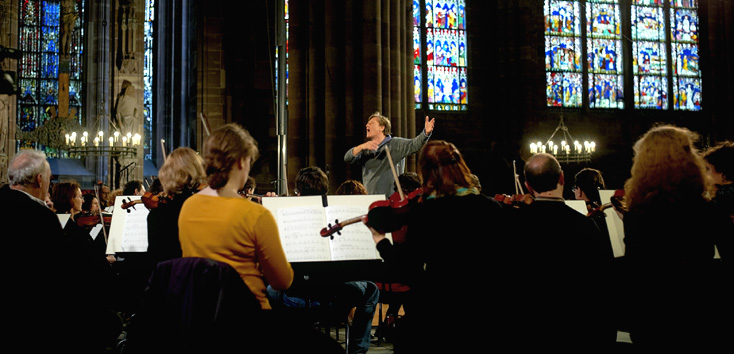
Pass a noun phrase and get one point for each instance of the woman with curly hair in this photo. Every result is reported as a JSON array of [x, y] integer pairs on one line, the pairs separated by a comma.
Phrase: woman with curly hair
[[671, 230]]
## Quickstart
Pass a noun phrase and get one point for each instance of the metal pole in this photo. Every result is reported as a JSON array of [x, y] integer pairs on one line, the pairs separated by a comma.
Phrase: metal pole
[[281, 117]]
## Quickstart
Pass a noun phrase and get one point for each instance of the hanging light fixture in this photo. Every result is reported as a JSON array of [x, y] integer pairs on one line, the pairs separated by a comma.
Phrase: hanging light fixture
[[565, 148]]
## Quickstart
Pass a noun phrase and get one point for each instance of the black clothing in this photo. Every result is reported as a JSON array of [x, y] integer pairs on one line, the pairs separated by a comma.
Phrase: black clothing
[[560, 279], [163, 241], [46, 300], [678, 294], [456, 239]]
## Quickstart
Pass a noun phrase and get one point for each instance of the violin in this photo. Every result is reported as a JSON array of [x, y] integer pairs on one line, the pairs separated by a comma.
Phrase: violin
[[384, 215], [615, 201], [150, 200], [89, 220], [515, 200]]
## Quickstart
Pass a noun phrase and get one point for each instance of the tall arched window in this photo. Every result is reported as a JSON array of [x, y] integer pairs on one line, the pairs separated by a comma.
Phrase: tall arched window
[[593, 28], [148, 70], [41, 37], [440, 54]]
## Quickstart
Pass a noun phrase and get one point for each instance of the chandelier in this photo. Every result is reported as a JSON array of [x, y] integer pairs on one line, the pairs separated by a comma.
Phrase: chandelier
[[568, 150]]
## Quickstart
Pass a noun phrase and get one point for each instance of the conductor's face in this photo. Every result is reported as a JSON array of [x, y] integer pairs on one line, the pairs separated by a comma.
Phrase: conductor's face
[[374, 128]]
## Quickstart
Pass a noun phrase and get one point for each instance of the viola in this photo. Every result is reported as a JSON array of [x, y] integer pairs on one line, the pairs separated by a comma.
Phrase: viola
[[384, 215]]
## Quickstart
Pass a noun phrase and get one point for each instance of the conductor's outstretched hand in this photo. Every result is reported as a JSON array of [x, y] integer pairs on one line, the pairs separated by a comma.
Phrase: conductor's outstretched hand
[[429, 125]]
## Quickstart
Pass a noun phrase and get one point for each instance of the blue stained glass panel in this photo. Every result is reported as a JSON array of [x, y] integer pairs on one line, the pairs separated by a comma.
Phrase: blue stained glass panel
[[603, 19], [651, 92], [28, 91], [648, 23], [562, 18], [687, 93], [685, 59], [684, 34], [562, 53], [50, 13], [564, 89], [38, 69], [27, 118], [49, 65], [685, 25], [49, 91], [445, 53], [604, 55], [649, 58], [605, 91]]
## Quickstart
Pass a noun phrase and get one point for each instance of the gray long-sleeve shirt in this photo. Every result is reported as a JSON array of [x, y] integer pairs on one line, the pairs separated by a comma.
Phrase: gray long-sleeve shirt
[[376, 172]]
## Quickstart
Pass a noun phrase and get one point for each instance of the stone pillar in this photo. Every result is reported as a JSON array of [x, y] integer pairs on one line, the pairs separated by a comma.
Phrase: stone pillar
[[127, 79]]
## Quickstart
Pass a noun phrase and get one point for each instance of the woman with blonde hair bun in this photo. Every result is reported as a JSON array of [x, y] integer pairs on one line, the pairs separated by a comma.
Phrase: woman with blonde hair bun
[[672, 231]]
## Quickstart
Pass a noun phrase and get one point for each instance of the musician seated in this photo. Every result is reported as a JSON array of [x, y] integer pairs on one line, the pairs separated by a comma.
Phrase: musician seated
[[87, 250], [46, 299], [448, 247], [587, 184], [565, 268], [342, 296], [220, 224], [181, 175]]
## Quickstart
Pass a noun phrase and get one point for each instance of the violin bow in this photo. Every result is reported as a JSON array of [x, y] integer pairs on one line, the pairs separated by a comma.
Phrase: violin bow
[[101, 218], [394, 173], [518, 186], [163, 149], [204, 122]]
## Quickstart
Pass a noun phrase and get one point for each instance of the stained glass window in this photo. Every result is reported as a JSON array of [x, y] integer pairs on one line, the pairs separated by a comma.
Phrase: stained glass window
[[440, 66], [40, 40], [684, 27], [649, 55], [563, 54], [604, 53], [148, 66], [657, 67]]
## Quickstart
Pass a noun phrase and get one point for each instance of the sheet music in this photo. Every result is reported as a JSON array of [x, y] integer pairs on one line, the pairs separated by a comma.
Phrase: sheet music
[[299, 229], [63, 219], [128, 230], [614, 224], [300, 220], [355, 241]]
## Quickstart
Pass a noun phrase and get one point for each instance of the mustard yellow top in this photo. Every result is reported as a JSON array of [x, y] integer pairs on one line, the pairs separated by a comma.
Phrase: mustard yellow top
[[239, 232]]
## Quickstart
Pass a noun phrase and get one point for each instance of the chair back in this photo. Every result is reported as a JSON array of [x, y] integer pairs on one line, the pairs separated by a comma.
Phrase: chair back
[[194, 305]]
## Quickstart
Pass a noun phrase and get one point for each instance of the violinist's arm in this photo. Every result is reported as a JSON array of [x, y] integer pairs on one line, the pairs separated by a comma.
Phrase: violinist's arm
[[376, 235]]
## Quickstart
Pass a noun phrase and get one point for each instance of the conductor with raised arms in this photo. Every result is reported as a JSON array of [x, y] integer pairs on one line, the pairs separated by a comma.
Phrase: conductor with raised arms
[[376, 167]]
